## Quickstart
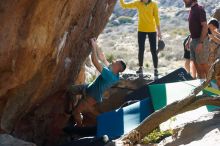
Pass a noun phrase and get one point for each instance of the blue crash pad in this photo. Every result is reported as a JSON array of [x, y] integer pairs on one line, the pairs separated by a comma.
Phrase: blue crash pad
[[121, 121]]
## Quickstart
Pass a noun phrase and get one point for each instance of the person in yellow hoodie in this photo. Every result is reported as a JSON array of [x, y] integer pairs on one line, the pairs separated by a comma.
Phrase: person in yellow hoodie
[[148, 25]]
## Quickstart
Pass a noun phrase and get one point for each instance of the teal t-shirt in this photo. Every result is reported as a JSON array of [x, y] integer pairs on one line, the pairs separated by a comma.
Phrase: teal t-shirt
[[104, 81]]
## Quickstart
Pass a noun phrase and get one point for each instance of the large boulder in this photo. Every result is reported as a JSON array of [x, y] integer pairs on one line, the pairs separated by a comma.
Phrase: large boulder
[[115, 96], [43, 45], [8, 140], [204, 131], [217, 14]]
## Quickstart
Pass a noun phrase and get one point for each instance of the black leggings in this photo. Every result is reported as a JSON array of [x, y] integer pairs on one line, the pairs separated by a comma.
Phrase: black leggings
[[152, 36]]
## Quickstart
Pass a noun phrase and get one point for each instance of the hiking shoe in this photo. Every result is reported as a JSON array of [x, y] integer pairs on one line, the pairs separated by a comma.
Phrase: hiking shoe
[[140, 71], [156, 74]]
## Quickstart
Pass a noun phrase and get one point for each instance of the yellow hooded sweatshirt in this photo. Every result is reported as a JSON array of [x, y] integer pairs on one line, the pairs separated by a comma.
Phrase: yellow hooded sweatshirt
[[148, 15]]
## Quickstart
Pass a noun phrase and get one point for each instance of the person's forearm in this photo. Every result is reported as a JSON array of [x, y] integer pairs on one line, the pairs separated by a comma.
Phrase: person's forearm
[[127, 5], [215, 39], [94, 56], [216, 33], [158, 28], [102, 57], [204, 33], [159, 32], [99, 52]]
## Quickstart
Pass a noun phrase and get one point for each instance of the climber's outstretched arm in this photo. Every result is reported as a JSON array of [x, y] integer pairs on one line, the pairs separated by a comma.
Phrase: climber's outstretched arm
[[94, 57], [102, 57]]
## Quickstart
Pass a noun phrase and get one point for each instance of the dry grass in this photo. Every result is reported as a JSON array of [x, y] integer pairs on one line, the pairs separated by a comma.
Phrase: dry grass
[[121, 42]]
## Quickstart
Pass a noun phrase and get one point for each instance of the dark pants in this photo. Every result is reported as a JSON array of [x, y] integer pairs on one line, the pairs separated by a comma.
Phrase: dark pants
[[152, 36]]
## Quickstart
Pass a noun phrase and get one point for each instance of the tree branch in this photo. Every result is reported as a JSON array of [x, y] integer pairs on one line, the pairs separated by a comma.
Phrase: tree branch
[[189, 103], [202, 101]]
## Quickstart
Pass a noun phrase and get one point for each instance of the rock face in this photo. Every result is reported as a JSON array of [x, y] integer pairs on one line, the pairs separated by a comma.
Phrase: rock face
[[7, 140], [217, 14], [43, 45], [204, 131], [115, 95]]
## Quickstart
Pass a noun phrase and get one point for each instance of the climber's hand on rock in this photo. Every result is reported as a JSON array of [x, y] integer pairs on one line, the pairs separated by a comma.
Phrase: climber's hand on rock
[[94, 43]]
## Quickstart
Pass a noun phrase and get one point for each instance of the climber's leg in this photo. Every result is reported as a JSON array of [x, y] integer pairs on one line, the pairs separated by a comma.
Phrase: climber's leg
[[85, 105], [72, 96]]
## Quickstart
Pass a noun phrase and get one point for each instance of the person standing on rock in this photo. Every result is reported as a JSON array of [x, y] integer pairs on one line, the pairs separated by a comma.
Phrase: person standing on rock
[[93, 93], [148, 25], [198, 29]]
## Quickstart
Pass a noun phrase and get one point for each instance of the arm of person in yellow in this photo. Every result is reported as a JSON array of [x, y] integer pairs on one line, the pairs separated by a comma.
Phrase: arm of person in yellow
[[129, 5], [159, 32], [157, 20]]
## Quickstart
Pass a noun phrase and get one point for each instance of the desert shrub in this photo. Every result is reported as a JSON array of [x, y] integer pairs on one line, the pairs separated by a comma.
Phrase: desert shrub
[[162, 54], [180, 31], [114, 23], [110, 57], [125, 19], [92, 78], [156, 136], [147, 65]]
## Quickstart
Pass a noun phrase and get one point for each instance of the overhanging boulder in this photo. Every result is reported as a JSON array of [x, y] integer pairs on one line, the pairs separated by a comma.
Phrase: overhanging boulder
[[217, 14], [43, 45]]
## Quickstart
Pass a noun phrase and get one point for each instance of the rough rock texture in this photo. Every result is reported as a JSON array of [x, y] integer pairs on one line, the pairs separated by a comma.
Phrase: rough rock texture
[[115, 96], [8, 140], [217, 14], [204, 131], [43, 44]]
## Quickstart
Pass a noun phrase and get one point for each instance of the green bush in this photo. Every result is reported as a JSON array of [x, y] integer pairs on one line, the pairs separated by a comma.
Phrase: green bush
[[147, 65], [156, 136], [92, 78], [180, 31], [125, 19], [162, 54], [111, 24], [110, 57]]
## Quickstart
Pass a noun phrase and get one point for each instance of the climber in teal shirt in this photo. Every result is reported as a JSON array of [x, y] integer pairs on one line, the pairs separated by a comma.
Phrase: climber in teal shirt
[[105, 80], [93, 93]]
